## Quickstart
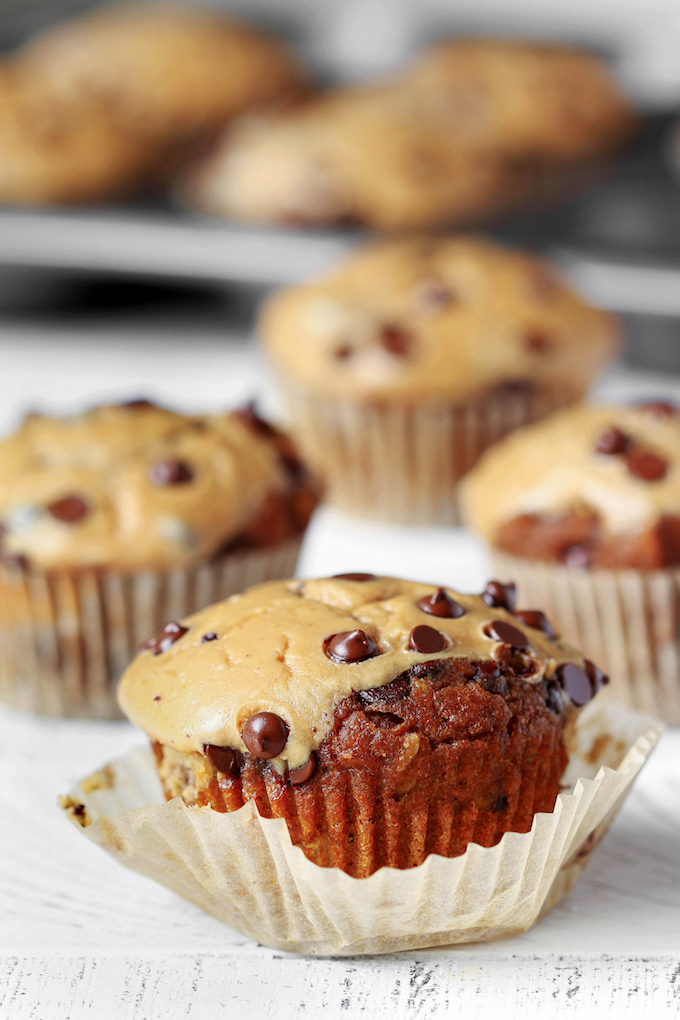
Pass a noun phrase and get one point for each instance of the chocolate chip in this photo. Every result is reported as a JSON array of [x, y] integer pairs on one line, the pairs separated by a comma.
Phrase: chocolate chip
[[597, 678], [249, 417], [499, 630], [426, 640], [489, 668], [537, 619], [659, 408], [576, 556], [79, 810], [140, 404], [210, 636], [343, 352], [500, 596], [171, 472], [491, 679], [265, 735], [69, 509], [303, 772], [395, 690], [553, 698], [537, 342], [349, 646], [612, 441], [165, 638], [354, 577], [575, 682], [646, 465], [440, 603], [224, 759], [396, 340]]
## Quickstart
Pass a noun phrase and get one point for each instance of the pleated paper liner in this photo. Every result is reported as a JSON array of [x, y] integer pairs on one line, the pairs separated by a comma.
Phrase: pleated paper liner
[[65, 638], [244, 870], [626, 621], [403, 463]]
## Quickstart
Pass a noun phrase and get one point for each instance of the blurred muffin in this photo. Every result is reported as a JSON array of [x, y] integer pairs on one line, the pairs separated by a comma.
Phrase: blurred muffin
[[59, 151], [384, 720], [118, 518], [583, 511], [101, 105], [405, 362], [468, 130]]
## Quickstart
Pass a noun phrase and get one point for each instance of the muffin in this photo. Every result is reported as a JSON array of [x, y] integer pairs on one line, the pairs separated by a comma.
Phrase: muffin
[[115, 97], [114, 520], [383, 720], [471, 128], [583, 510], [402, 364], [59, 151]]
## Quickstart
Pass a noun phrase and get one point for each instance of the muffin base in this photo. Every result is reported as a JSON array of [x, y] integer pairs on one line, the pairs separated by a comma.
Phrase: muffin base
[[65, 638], [243, 869], [435, 760], [627, 621], [403, 463]]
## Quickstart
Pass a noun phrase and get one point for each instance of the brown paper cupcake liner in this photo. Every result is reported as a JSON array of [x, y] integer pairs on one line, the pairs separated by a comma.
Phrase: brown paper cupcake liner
[[245, 871], [403, 464], [626, 621], [65, 638]]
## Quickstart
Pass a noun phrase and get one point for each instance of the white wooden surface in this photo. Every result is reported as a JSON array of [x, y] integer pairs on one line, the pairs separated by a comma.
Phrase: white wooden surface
[[80, 937]]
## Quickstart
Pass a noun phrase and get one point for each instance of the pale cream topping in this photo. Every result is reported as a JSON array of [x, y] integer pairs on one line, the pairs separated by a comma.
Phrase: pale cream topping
[[553, 467], [106, 458], [469, 316], [269, 657]]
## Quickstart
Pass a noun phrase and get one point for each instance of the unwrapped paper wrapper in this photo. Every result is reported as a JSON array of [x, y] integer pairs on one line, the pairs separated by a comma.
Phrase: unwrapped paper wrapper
[[403, 463], [245, 871], [626, 621], [65, 638]]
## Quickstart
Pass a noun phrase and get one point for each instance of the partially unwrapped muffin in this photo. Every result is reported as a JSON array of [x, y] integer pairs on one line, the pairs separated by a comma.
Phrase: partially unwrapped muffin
[[383, 720]]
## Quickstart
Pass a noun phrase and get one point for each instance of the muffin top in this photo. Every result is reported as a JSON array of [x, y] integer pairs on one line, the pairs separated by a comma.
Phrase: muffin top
[[263, 671], [133, 486], [444, 141], [433, 319], [577, 484], [162, 69]]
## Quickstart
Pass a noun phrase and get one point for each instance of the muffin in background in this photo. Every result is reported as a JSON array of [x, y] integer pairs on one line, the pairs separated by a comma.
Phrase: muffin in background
[[99, 106], [383, 720], [114, 521], [470, 129], [401, 365], [583, 512]]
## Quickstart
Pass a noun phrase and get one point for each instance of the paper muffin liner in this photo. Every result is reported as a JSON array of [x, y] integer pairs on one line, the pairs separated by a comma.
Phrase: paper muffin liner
[[403, 463], [244, 870], [65, 638], [626, 621]]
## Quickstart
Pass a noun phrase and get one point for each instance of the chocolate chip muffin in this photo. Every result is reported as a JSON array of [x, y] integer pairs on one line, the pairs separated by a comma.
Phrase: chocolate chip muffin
[[105, 104], [384, 720], [401, 365], [470, 129], [584, 511], [114, 519]]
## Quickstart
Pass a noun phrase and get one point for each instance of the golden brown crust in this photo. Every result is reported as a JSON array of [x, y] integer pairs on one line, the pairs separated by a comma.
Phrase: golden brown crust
[[439, 320], [268, 652], [466, 131], [140, 487]]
